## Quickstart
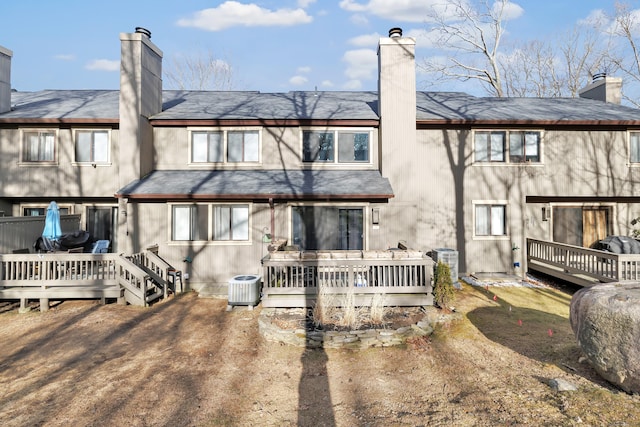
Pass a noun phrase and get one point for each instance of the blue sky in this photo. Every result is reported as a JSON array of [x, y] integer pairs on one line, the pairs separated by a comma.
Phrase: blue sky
[[273, 46]]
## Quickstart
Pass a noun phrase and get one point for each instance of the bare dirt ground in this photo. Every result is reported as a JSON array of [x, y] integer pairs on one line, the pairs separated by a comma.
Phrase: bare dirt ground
[[188, 362]]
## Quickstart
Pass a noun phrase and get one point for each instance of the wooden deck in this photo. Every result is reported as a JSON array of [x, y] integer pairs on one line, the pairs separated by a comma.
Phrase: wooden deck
[[138, 280], [582, 266], [294, 279]]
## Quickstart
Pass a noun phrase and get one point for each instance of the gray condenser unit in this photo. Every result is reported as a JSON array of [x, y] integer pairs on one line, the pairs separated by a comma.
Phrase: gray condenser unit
[[450, 258], [244, 290]]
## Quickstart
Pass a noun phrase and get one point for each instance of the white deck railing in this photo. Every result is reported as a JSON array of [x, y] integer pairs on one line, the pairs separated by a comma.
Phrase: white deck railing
[[78, 275], [581, 265], [294, 279]]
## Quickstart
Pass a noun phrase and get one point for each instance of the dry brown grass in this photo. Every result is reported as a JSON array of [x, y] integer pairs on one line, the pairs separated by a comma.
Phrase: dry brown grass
[[189, 362]]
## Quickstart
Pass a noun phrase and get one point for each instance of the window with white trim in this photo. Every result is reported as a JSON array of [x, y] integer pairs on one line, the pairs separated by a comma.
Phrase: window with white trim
[[41, 210], [242, 146], [507, 146], [219, 146], [92, 146], [331, 146], [490, 220], [39, 146], [189, 222], [634, 147], [209, 222]]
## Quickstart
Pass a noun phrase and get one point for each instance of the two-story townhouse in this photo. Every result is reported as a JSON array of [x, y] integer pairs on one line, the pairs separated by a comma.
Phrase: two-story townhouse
[[59, 145], [212, 177], [503, 170]]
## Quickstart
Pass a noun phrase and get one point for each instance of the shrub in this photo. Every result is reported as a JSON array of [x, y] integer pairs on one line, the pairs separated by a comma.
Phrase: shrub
[[443, 291]]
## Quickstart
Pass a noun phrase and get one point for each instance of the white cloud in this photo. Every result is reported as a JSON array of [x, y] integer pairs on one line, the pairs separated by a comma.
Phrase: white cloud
[[304, 69], [415, 10], [365, 40], [305, 3], [298, 80], [399, 10], [103, 65], [424, 38], [232, 13], [510, 11], [361, 63], [65, 57], [597, 18], [359, 19], [326, 83], [352, 6], [352, 85]]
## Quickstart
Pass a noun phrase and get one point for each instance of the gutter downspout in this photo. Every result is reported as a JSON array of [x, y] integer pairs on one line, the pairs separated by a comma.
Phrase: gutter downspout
[[273, 218]]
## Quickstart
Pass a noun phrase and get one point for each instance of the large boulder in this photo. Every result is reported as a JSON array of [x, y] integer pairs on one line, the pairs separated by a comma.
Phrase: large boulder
[[606, 321]]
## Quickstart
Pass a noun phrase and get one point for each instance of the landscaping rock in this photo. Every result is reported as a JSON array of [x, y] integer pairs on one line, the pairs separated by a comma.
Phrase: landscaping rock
[[558, 384], [606, 322]]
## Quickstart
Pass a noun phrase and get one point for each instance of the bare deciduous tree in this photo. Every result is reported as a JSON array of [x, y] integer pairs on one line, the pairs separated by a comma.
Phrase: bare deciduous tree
[[624, 25], [472, 32], [199, 72], [472, 37], [543, 69]]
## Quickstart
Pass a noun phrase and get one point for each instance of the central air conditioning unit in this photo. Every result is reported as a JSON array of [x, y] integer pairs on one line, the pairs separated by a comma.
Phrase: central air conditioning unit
[[244, 290], [450, 258]]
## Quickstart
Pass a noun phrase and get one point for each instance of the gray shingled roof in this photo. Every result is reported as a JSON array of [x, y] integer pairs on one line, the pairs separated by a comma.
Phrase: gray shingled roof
[[247, 105], [460, 106], [64, 104], [259, 184], [180, 105]]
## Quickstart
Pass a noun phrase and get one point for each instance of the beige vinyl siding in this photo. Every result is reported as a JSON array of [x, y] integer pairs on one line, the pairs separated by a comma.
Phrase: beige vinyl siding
[[65, 178], [213, 263], [443, 183]]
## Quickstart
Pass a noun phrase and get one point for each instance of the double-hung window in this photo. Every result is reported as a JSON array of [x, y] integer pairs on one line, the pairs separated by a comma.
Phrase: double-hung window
[[189, 223], [221, 146], [39, 146], [92, 146], [330, 146], [207, 147], [507, 146], [634, 147], [490, 219], [231, 222], [524, 146], [242, 146], [490, 146], [209, 222]]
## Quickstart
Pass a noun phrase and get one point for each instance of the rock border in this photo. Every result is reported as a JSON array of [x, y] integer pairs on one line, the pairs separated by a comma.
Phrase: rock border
[[353, 340]]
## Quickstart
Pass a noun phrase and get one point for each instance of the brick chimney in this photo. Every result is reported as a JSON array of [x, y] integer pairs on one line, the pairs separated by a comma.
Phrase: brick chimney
[[140, 98], [603, 88], [5, 79]]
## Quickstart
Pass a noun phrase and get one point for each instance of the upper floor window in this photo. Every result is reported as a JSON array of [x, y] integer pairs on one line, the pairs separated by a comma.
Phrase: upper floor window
[[343, 146], [39, 146], [242, 146], [92, 146], [202, 222], [634, 147], [225, 146], [507, 146]]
